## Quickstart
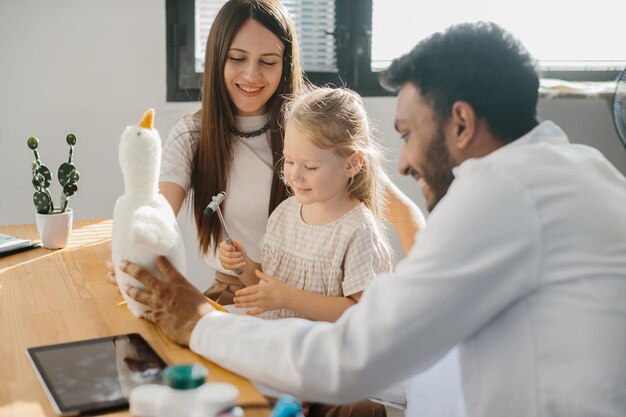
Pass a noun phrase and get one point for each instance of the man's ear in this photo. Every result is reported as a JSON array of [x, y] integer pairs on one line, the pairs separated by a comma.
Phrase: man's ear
[[462, 125], [355, 163]]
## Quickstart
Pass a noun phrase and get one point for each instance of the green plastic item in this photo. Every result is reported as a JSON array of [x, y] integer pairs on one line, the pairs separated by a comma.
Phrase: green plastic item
[[186, 376]]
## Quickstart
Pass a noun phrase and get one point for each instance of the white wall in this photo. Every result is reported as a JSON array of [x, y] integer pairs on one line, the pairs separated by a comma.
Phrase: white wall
[[83, 66], [92, 67]]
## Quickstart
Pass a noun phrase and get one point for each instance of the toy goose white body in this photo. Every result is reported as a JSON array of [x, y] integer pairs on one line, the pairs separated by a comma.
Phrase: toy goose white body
[[144, 225]]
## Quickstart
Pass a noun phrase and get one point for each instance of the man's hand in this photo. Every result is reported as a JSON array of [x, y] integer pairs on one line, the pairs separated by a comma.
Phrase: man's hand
[[269, 294], [174, 304]]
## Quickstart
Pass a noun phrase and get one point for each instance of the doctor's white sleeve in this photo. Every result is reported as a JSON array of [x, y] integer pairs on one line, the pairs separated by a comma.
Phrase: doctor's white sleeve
[[472, 260]]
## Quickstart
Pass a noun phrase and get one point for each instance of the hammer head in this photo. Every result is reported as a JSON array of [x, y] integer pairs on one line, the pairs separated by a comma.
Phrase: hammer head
[[214, 204]]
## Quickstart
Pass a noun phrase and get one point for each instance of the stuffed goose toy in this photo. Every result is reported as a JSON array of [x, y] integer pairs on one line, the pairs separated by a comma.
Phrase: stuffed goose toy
[[144, 225]]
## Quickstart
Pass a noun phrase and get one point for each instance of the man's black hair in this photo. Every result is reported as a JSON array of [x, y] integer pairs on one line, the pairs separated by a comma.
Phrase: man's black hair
[[479, 63]]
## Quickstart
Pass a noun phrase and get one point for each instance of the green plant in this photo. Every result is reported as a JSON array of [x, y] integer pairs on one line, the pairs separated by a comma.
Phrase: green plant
[[68, 177]]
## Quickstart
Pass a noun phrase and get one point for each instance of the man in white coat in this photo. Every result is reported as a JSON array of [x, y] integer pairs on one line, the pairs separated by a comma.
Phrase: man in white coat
[[522, 263]]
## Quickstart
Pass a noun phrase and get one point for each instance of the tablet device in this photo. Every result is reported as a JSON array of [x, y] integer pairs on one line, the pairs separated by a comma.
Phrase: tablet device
[[95, 375]]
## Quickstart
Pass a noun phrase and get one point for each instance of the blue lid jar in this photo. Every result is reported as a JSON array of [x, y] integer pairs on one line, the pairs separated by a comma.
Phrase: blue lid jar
[[287, 406]]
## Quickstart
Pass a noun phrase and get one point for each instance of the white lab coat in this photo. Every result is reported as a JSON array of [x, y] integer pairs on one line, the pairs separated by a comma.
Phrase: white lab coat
[[522, 264]]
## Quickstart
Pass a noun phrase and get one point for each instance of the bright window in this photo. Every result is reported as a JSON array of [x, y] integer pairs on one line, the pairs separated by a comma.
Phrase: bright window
[[561, 34], [346, 42]]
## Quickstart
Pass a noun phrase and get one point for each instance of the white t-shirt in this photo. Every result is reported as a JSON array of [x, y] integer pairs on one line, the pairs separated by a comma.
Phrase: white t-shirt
[[522, 265], [249, 185]]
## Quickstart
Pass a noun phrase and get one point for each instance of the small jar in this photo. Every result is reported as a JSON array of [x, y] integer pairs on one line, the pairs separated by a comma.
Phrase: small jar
[[287, 406], [183, 382]]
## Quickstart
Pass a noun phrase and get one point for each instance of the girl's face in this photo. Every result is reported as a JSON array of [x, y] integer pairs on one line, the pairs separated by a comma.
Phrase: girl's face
[[253, 68], [316, 176]]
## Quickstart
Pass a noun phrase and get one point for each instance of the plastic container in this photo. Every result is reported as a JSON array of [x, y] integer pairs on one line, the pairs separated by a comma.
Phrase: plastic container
[[287, 406], [183, 384], [144, 400], [215, 397]]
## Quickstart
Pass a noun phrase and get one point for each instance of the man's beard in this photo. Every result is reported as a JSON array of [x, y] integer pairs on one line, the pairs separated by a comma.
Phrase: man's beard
[[437, 170]]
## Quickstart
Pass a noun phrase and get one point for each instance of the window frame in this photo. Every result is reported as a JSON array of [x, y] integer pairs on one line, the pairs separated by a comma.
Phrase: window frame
[[183, 83], [353, 39], [353, 31]]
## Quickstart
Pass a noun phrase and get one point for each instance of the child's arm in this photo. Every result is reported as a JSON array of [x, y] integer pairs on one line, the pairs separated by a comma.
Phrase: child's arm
[[273, 294], [234, 257], [320, 307]]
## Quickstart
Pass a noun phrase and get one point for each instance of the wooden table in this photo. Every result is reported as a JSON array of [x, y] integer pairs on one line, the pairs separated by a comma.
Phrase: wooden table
[[55, 296]]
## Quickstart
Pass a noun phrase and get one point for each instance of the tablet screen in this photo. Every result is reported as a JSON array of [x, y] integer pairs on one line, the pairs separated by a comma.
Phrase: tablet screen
[[96, 374]]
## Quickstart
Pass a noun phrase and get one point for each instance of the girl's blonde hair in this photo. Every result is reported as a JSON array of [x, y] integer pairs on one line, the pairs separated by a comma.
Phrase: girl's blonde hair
[[335, 118]]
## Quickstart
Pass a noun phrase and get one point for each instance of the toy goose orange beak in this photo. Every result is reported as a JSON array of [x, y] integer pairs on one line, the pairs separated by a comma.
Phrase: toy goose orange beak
[[147, 120]]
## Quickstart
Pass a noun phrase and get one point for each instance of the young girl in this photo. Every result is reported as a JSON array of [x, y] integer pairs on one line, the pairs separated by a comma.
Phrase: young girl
[[324, 244]]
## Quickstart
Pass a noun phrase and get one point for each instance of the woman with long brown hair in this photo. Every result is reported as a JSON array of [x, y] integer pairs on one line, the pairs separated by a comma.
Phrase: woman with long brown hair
[[234, 141]]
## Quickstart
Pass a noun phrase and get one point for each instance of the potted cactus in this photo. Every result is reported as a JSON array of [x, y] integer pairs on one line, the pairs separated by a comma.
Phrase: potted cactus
[[54, 223]]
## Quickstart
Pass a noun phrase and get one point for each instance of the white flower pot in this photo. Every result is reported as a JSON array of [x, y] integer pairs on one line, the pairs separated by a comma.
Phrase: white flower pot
[[54, 229]]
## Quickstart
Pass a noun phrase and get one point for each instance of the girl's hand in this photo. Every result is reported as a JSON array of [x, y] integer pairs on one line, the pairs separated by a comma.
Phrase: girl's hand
[[232, 257], [269, 294]]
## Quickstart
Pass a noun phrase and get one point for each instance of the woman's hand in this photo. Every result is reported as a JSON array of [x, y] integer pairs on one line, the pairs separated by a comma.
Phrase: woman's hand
[[111, 279], [232, 257], [269, 294]]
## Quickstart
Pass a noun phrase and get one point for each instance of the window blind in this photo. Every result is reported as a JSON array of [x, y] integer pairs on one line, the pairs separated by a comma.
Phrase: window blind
[[315, 23]]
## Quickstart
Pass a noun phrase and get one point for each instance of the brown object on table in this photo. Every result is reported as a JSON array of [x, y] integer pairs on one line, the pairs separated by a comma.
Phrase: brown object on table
[[55, 296]]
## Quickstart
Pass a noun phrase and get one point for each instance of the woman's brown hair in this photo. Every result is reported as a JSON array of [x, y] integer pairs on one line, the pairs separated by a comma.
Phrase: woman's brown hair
[[211, 162]]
